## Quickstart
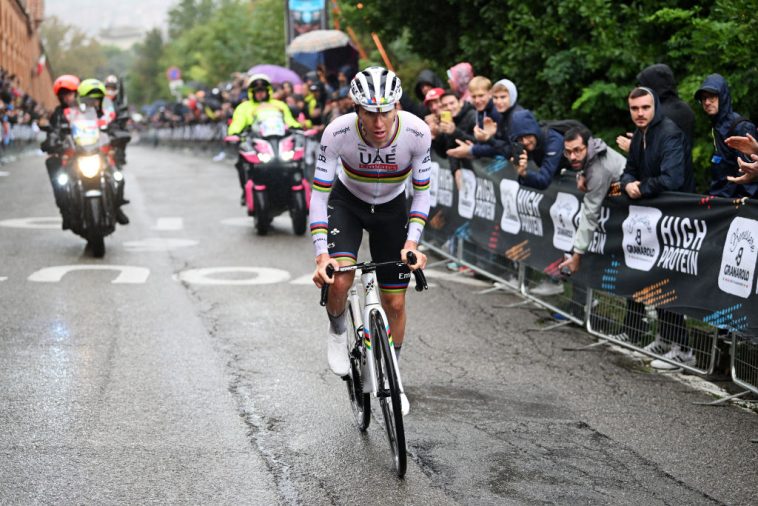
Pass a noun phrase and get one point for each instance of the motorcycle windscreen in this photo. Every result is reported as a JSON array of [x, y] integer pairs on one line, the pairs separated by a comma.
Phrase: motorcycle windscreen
[[270, 122], [84, 126]]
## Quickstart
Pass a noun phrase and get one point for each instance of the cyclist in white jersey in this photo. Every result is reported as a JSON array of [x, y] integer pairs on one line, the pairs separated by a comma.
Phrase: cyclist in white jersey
[[364, 161]]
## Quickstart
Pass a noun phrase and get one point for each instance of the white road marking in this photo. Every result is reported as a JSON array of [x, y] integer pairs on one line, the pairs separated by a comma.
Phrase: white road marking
[[255, 276], [50, 222], [169, 224], [3, 278], [4, 173], [239, 222], [305, 279], [158, 244], [127, 274]]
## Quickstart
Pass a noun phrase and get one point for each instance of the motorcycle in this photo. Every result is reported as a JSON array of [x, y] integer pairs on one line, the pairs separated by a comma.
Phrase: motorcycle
[[273, 159], [90, 180]]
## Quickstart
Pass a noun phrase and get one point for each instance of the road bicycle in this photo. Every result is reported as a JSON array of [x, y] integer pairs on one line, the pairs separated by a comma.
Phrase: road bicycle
[[373, 364]]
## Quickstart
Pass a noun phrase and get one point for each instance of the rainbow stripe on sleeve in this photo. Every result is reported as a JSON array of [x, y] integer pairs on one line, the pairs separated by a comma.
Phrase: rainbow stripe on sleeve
[[418, 217], [319, 227], [320, 185], [421, 184]]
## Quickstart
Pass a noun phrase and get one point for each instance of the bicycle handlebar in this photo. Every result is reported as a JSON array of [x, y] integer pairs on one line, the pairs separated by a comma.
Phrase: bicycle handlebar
[[418, 274], [325, 288]]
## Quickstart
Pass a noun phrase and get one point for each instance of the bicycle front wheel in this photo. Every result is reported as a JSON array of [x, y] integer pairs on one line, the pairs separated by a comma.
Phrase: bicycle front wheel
[[389, 392], [359, 402]]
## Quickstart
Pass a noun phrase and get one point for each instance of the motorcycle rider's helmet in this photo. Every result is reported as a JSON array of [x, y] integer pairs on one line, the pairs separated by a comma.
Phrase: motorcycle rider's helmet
[[376, 89], [258, 82], [65, 82], [91, 88], [111, 82]]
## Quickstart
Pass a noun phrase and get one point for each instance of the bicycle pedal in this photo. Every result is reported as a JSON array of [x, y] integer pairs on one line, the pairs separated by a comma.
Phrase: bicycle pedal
[[356, 353], [346, 377]]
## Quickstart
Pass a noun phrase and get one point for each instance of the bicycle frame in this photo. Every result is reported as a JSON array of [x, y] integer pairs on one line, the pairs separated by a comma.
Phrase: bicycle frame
[[362, 313]]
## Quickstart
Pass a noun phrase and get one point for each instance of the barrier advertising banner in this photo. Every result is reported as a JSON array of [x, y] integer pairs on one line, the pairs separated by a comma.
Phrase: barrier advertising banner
[[692, 254]]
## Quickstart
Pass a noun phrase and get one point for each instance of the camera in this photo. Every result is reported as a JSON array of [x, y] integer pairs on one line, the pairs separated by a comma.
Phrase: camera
[[516, 149]]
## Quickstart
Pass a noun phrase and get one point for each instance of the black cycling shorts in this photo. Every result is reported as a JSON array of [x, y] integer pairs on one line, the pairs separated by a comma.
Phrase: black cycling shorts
[[387, 226]]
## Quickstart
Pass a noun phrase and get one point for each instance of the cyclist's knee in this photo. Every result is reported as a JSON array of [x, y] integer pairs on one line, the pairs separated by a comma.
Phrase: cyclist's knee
[[394, 303]]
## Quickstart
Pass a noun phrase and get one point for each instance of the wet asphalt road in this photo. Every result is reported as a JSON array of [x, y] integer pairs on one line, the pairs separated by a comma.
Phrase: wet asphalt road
[[178, 385]]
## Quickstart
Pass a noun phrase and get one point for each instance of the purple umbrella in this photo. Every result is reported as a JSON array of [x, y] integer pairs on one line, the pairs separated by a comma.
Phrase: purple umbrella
[[276, 73]]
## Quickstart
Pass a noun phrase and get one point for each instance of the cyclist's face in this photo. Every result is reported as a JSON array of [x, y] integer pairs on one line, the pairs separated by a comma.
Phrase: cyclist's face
[[377, 126]]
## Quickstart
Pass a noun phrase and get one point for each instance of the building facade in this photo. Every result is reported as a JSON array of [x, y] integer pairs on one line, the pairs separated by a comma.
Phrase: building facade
[[21, 49]]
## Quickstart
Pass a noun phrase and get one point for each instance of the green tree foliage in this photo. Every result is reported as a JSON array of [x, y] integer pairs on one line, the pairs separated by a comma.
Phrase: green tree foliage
[[147, 78], [232, 37], [580, 58]]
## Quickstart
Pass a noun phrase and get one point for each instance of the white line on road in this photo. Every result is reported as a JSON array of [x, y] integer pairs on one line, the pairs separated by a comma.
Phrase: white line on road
[[254, 276], [158, 244], [4, 173], [50, 222], [169, 224], [127, 274]]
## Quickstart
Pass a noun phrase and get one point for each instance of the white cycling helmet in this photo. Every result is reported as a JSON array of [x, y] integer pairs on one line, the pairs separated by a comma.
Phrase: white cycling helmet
[[376, 89]]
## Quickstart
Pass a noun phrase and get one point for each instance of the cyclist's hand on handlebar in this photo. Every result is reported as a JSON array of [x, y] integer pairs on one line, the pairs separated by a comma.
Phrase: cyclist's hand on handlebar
[[320, 276], [420, 258]]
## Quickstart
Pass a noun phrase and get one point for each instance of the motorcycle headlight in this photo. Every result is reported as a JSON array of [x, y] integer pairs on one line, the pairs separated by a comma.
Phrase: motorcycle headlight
[[264, 157], [288, 155], [89, 166], [62, 179]]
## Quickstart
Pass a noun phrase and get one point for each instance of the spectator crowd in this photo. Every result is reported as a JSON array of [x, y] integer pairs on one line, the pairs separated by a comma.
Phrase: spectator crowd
[[17, 108]]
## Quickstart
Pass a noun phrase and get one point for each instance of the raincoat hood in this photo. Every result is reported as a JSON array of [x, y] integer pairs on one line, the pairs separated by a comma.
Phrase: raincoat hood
[[716, 84], [524, 123], [660, 79], [427, 76], [512, 91]]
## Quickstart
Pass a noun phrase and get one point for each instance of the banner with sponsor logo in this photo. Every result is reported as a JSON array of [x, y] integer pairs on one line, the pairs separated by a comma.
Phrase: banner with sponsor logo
[[693, 254]]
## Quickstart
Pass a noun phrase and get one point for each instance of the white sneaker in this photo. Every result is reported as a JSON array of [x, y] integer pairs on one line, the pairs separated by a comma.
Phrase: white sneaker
[[658, 347], [405, 406], [547, 288], [339, 362], [622, 337], [677, 356]]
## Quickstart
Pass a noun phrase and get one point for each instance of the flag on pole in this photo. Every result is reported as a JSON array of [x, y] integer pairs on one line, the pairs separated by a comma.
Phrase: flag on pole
[[41, 63]]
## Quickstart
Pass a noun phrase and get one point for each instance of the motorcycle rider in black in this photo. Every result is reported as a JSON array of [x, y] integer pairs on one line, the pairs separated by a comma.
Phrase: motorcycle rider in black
[[65, 88]]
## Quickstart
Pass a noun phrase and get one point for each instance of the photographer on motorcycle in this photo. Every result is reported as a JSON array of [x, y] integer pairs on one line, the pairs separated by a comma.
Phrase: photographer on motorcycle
[[259, 93], [92, 92], [116, 111], [65, 88]]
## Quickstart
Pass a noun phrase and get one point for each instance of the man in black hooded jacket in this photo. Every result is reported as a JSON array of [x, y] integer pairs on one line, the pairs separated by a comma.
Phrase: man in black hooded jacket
[[659, 156], [659, 160], [716, 100]]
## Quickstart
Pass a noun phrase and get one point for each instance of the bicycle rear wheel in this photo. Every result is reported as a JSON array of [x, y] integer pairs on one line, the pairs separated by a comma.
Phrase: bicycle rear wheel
[[360, 403], [389, 392]]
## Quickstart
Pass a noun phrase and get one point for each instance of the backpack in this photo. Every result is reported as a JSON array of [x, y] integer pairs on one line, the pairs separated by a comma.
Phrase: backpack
[[560, 125]]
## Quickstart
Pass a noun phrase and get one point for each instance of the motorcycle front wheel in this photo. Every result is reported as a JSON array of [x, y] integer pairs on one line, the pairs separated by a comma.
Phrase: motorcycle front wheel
[[262, 220], [95, 239], [299, 213]]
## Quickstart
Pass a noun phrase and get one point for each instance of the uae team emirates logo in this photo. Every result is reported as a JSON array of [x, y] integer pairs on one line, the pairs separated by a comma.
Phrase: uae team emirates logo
[[641, 246], [739, 257]]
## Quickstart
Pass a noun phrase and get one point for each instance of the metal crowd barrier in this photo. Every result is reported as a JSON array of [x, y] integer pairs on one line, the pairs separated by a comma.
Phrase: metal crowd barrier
[[21, 138], [629, 323], [745, 362]]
